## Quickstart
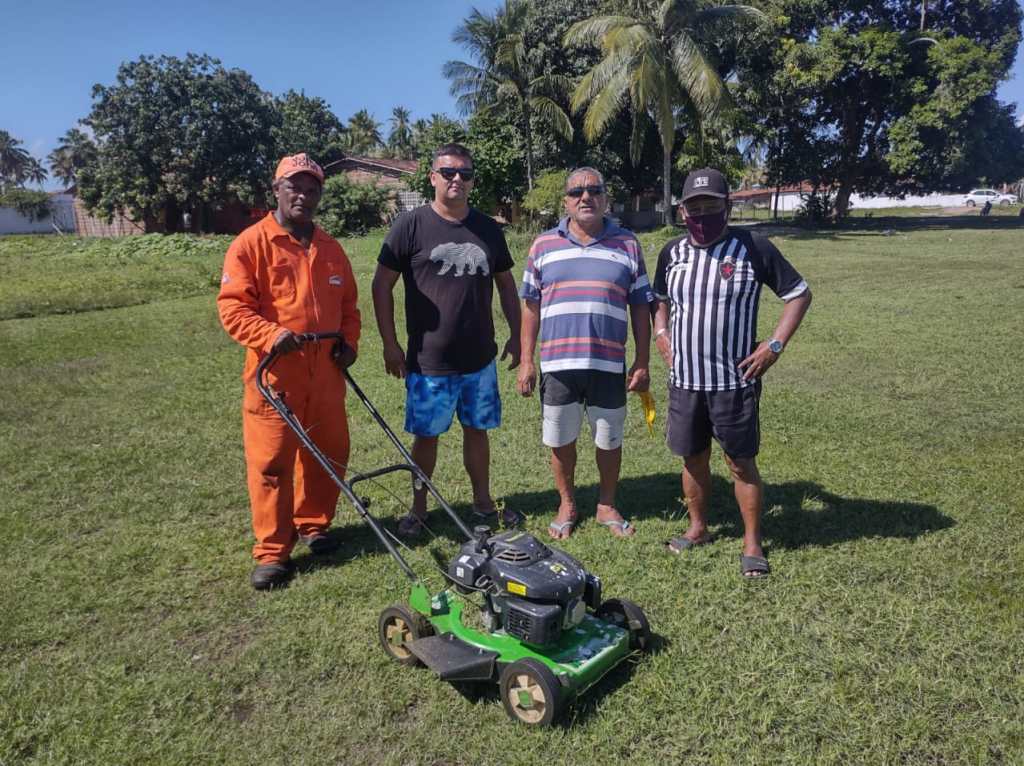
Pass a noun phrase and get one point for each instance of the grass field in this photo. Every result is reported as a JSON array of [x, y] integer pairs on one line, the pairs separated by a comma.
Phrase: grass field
[[890, 631]]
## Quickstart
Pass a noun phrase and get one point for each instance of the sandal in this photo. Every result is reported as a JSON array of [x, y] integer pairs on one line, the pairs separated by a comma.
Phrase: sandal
[[507, 519], [411, 525], [563, 530], [681, 543], [754, 567], [624, 526]]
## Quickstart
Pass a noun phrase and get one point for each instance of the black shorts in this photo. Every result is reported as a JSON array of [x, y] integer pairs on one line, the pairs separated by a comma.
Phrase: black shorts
[[732, 417], [594, 388]]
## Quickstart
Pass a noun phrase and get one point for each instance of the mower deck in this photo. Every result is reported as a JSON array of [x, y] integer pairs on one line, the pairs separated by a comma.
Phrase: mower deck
[[453, 659], [580, 658]]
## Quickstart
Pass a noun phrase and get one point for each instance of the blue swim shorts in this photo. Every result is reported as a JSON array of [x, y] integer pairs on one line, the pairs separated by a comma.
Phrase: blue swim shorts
[[431, 400]]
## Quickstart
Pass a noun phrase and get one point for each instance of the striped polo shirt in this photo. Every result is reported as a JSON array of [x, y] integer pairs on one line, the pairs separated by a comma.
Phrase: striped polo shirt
[[584, 293]]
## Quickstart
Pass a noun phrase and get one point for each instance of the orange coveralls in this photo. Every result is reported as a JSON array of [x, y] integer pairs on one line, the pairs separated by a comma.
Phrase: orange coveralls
[[271, 284]]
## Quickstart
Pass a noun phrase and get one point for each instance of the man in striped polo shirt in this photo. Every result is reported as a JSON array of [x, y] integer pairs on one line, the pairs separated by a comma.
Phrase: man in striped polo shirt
[[708, 284], [584, 281]]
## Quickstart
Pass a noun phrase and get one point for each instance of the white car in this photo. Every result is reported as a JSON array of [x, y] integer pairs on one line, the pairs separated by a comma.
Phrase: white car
[[981, 196]]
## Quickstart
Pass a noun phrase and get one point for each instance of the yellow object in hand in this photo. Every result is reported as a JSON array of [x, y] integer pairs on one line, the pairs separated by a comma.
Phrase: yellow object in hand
[[648, 402]]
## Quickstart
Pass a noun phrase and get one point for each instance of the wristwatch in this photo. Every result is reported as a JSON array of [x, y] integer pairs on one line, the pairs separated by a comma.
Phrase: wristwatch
[[776, 345]]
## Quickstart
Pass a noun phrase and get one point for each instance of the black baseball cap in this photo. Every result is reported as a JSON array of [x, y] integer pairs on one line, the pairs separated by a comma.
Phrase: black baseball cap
[[706, 182]]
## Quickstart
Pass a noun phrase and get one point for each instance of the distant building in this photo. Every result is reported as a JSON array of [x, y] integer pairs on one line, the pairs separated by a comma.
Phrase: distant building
[[393, 174]]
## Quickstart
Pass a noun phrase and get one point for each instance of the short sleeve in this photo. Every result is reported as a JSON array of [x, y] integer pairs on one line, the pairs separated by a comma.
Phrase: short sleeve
[[774, 270], [640, 289], [502, 256], [395, 253], [661, 270], [530, 291]]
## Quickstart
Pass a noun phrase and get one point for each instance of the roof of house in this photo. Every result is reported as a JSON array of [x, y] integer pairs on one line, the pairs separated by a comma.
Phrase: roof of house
[[804, 187], [348, 161]]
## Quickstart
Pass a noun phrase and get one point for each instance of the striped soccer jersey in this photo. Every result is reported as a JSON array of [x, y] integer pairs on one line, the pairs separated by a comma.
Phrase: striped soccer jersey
[[713, 298], [584, 293]]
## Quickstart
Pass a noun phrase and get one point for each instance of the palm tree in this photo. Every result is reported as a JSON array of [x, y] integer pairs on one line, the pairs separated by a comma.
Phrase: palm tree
[[654, 60], [34, 172], [74, 151], [505, 75], [363, 133], [14, 160], [400, 137]]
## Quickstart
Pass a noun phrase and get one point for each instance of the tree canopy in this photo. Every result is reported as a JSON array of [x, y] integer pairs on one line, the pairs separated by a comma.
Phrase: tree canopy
[[507, 76], [656, 58], [856, 97], [74, 152], [308, 125], [176, 134], [17, 166], [873, 96]]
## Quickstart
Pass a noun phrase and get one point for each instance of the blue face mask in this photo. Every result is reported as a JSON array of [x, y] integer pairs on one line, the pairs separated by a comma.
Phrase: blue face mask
[[705, 229]]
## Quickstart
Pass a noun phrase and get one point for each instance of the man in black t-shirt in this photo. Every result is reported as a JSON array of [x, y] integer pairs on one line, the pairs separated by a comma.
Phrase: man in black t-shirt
[[708, 285], [449, 256]]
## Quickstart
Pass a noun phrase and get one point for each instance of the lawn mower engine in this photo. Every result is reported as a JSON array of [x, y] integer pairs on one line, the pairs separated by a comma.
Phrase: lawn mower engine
[[532, 592]]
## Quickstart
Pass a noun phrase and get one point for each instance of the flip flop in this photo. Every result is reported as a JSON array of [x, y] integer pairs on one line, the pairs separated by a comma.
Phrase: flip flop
[[754, 567], [679, 544], [560, 529], [622, 525], [509, 518], [411, 526]]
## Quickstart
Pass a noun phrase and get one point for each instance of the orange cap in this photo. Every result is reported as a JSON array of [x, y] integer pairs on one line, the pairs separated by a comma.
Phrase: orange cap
[[298, 163]]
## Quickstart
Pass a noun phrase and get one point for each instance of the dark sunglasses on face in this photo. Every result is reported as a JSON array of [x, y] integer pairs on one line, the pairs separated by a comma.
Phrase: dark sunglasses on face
[[577, 191], [448, 174]]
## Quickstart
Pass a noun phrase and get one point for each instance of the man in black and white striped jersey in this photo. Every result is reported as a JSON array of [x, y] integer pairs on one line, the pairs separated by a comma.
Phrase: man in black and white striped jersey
[[708, 284]]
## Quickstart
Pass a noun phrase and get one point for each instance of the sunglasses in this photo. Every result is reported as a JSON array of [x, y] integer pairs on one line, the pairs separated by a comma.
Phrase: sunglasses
[[577, 191], [448, 174]]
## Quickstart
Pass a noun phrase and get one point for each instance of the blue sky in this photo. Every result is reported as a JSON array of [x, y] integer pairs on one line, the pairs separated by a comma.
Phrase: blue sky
[[355, 54]]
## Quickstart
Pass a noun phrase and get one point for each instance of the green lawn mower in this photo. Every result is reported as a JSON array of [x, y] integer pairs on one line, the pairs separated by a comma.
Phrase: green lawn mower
[[542, 632]]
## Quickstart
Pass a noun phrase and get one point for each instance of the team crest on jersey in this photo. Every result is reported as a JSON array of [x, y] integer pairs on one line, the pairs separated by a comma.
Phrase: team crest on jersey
[[727, 267], [335, 280]]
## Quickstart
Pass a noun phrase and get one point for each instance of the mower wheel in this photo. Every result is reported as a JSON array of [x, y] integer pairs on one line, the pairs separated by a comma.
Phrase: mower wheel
[[399, 625], [531, 693], [628, 616]]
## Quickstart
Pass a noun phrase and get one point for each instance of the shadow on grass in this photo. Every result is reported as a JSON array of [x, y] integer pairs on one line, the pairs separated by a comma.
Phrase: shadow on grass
[[804, 513], [356, 539], [798, 513]]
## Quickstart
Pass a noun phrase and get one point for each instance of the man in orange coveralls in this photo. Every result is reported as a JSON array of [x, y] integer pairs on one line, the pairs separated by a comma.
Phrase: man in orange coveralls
[[284, 276]]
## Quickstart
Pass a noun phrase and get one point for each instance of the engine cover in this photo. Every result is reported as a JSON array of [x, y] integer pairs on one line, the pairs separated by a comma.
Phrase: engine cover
[[537, 590], [521, 565]]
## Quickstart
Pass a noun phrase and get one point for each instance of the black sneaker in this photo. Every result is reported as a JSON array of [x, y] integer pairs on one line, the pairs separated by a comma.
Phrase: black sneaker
[[272, 575], [321, 543]]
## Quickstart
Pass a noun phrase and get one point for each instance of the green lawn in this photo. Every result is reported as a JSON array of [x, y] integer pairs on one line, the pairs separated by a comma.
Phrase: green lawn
[[890, 632]]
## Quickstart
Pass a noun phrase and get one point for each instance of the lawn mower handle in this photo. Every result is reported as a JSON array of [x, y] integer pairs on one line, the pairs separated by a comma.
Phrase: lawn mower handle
[[277, 402]]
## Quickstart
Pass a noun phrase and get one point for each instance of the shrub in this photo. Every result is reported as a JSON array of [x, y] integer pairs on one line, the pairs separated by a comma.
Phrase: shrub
[[347, 207], [544, 201], [32, 204], [819, 208]]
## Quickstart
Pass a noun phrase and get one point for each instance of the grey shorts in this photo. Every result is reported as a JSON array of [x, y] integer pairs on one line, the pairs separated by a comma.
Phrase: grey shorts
[[731, 417], [566, 394]]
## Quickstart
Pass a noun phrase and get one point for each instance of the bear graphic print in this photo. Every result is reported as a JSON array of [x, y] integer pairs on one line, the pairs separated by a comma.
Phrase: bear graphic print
[[464, 257]]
